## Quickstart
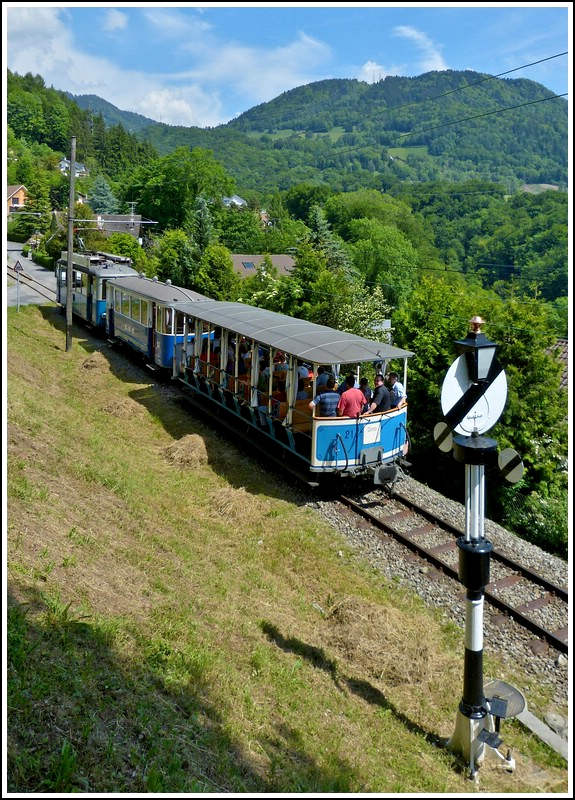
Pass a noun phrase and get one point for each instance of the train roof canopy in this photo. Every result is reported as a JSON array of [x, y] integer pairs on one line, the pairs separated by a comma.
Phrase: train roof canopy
[[315, 344], [156, 290]]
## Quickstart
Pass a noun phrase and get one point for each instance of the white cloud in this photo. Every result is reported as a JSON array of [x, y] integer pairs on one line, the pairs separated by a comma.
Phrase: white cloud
[[173, 25], [371, 72], [431, 56], [257, 73], [115, 20], [40, 42]]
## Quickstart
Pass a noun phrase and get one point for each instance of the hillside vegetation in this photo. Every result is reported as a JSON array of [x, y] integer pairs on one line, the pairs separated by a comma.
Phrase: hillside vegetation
[[425, 254], [345, 133], [179, 623]]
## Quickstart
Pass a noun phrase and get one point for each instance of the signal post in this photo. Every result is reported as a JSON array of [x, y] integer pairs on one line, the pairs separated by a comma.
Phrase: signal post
[[472, 399]]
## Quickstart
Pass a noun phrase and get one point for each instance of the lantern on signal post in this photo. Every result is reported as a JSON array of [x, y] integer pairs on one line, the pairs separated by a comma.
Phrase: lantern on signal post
[[472, 400], [479, 352]]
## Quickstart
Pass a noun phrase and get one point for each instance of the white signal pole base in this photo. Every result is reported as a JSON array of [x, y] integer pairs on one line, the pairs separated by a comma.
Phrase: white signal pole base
[[465, 741]]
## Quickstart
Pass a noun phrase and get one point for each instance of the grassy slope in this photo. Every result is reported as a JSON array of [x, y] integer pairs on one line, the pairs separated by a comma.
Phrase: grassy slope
[[178, 623]]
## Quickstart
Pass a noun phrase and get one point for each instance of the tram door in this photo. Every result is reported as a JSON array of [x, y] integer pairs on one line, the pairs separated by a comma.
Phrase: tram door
[[91, 303], [153, 340]]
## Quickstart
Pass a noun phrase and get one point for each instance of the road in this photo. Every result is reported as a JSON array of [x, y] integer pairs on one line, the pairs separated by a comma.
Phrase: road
[[25, 295]]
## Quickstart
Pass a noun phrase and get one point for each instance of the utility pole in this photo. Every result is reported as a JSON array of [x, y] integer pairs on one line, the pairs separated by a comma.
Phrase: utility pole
[[70, 266]]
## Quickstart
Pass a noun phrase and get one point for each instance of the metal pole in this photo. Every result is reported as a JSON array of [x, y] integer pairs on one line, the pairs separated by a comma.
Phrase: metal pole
[[17, 291], [70, 268], [474, 556]]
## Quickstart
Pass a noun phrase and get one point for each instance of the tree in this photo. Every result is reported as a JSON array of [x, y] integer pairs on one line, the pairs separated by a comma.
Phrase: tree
[[175, 257], [239, 230], [216, 276], [336, 254], [37, 210], [166, 189], [101, 197], [123, 244], [384, 257], [534, 421], [199, 225]]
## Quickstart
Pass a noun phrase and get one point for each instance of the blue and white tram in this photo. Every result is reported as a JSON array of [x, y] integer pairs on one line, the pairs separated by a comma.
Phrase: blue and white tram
[[364, 445], [141, 314], [91, 273]]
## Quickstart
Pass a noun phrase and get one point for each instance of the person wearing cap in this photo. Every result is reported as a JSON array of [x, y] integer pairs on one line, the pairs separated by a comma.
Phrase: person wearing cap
[[381, 400]]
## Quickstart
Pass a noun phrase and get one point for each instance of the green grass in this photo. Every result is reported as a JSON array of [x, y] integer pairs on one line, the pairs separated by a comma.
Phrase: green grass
[[177, 623]]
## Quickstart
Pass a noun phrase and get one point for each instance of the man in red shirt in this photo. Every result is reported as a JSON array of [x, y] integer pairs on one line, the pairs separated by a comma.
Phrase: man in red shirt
[[352, 400]]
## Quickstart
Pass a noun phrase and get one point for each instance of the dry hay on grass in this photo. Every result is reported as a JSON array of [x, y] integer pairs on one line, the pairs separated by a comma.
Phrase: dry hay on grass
[[198, 450], [126, 407], [385, 643], [236, 506], [95, 362], [189, 451]]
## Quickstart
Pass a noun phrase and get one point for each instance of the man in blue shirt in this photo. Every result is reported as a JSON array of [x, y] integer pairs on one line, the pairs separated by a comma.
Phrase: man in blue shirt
[[327, 400]]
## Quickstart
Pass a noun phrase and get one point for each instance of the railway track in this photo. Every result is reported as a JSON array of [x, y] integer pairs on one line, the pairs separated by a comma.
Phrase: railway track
[[37, 286], [515, 591]]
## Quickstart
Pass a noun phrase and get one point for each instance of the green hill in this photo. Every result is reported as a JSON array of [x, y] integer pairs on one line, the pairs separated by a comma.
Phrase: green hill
[[449, 125]]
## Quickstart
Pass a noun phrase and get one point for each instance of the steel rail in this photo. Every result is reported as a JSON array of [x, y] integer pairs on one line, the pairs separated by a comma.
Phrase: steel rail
[[552, 638]]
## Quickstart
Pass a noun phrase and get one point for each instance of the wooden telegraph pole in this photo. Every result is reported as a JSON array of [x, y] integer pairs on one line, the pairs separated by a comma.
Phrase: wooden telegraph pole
[[70, 267]]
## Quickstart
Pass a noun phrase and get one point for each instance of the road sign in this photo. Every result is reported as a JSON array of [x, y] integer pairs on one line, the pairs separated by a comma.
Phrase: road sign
[[472, 407], [18, 267]]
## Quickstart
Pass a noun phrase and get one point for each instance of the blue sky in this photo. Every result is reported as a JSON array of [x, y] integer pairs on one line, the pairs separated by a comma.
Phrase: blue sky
[[188, 64]]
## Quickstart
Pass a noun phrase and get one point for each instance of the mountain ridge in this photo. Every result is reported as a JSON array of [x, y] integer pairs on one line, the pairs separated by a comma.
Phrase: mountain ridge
[[448, 125]]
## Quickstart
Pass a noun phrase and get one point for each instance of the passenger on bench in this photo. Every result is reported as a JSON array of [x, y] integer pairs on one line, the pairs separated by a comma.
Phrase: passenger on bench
[[327, 400], [301, 390]]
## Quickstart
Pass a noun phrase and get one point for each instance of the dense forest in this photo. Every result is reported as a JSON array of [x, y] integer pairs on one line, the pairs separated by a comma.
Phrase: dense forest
[[426, 238]]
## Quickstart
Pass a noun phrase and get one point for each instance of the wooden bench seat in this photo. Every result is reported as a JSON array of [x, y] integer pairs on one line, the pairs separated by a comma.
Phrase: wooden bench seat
[[301, 417]]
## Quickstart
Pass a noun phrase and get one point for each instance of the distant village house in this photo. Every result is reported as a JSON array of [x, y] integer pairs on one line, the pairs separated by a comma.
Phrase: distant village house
[[17, 196], [246, 265], [80, 171], [234, 200], [120, 223]]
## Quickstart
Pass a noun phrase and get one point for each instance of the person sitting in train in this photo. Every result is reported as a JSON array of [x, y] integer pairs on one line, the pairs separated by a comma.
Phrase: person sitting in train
[[365, 389], [322, 377], [327, 399], [396, 391], [301, 390], [352, 401], [277, 397], [281, 364], [263, 379], [242, 368], [302, 370], [381, 400]]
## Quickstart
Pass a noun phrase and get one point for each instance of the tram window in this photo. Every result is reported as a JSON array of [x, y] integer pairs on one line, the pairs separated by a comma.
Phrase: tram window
[[179, 322], [117, 299], [167, 320], [144, 311], [135, 313], [125, 304]]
